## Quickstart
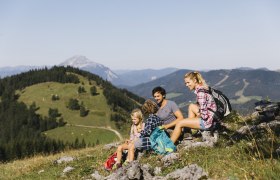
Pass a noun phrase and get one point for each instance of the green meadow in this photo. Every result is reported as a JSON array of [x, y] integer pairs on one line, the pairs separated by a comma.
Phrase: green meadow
[[90, 135], [98, 116]]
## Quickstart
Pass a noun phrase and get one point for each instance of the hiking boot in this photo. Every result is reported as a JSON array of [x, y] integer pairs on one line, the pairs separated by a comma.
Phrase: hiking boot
[[196, 133], [187, 136], [116, 166]]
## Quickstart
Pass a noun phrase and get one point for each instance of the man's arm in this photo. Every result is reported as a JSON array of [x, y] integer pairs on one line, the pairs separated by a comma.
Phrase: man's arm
[[179, 117]]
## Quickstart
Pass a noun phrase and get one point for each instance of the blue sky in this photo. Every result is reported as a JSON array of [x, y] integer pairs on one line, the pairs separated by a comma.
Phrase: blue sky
[[197, 34]]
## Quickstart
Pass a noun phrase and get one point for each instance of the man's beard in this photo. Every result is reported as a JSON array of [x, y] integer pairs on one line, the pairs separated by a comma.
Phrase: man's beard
[[159, 103]]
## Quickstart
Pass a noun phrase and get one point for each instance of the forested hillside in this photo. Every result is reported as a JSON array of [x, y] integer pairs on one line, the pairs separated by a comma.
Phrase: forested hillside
[[22, 125]]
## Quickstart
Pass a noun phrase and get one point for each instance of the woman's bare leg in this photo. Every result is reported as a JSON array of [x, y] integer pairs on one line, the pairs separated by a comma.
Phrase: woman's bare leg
[[193, 123], [193, 111]]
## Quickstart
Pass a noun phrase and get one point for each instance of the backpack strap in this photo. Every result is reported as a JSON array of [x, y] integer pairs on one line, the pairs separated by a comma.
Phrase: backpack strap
[[205, 91]]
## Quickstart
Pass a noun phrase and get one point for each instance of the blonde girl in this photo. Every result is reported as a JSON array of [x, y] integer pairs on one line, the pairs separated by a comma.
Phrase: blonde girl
[[133, 142], [199, 115]]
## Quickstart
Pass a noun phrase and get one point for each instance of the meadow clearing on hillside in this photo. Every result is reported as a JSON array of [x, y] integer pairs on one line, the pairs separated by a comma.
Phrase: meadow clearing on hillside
[[98, 116], [93, 136]]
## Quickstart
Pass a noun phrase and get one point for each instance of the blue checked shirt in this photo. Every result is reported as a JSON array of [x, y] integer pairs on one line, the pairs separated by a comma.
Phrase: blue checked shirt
[[151, 123]]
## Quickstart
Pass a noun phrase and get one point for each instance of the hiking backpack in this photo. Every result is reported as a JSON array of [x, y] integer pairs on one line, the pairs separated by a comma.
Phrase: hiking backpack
[[161, 143], [221, 101]]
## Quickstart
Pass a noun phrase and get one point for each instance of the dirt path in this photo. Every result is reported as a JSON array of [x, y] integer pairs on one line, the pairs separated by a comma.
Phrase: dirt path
[[102, 127]]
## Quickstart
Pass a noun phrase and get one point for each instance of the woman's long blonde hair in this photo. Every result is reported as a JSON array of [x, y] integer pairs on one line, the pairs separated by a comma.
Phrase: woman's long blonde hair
[[194, 75]]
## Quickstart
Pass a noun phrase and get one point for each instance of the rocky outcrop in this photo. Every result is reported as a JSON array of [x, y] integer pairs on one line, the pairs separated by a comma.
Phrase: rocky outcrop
[[208, 138], [266, 117], [266, 111], [135, 170], [265, 125], [170, 159]]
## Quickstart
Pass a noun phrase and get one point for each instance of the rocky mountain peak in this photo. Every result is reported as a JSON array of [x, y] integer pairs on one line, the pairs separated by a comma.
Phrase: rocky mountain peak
[[86, 64], [79, 61]]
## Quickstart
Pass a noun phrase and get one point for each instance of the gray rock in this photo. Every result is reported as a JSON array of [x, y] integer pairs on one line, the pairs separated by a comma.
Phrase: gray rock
[[157, 170], [134, 170], [64, 159], [148, 171], [259, 128], [193, 144], [208, 140], [67, 169], [245, 130], [131, 171], [140, 155], [207, 136], [274, 124], [96, 176], [159, 178], [192, 171], [169, 159], [266, 111]]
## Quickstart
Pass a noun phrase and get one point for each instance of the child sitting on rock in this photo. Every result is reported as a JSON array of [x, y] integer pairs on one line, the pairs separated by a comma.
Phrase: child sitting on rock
[[149, 108], [133, 142]]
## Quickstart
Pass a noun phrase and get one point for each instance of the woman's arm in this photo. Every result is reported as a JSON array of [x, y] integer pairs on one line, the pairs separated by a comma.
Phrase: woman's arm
[[202, 103]]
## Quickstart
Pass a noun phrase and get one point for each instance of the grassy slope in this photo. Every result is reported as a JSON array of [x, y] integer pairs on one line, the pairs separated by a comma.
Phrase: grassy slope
[[219, 162], [90, 135], [99, 111]]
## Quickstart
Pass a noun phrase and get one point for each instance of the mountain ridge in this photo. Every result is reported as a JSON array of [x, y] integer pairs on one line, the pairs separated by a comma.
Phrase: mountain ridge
[[241, 86], [125, 78]]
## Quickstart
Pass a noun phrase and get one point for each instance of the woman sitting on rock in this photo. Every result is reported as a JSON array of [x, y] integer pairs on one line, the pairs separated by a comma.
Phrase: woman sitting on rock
[[199, 115]]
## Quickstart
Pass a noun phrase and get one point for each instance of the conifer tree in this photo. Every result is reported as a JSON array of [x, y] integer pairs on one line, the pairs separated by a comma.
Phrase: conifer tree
[[73, 104], [81, 89], [93, 91], [83, 111]]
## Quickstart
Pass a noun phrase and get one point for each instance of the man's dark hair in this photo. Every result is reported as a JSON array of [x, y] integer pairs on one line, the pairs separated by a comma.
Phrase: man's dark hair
[[160, 90]]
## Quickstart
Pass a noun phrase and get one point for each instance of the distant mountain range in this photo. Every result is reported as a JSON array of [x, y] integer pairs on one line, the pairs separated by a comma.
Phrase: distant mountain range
[[135, 77], [243, 87], [8, 71], [123, 78]]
